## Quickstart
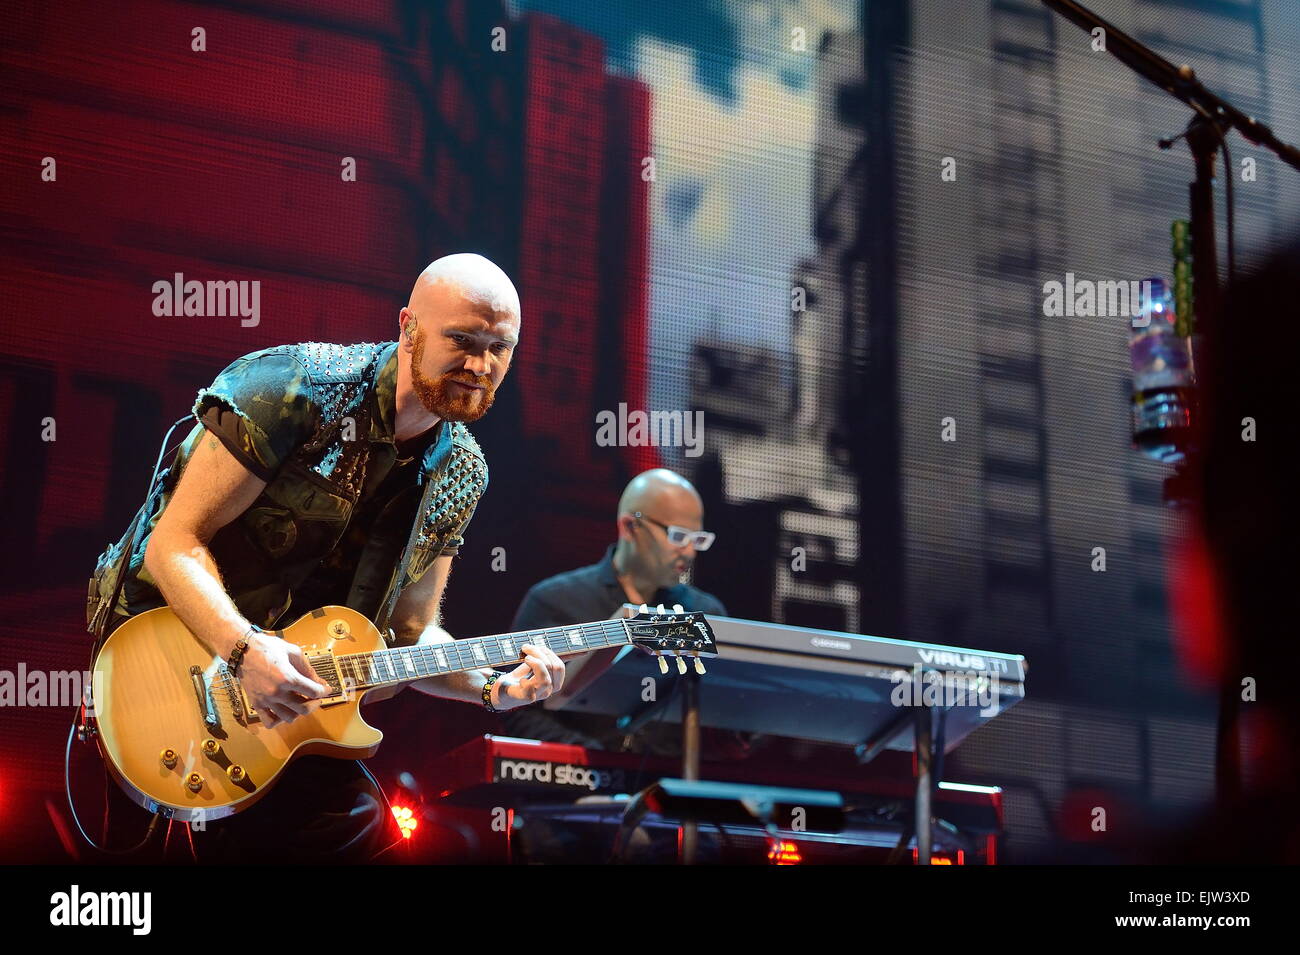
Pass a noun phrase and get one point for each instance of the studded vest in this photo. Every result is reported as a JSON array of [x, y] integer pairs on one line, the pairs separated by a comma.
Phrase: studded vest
[[317, 425]]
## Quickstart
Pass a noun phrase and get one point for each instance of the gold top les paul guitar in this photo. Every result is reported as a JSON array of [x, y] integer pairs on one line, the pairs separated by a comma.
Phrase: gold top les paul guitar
[[178, 733]]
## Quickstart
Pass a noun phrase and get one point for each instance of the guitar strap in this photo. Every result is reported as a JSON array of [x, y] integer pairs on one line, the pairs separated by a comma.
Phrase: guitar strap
[[99, 610]]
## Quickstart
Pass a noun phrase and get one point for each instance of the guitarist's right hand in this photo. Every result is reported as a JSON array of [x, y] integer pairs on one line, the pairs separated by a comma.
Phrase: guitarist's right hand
[[278, 680]]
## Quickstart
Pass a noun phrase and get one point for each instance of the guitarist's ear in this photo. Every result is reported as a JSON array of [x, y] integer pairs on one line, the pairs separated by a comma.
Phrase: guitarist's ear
[[626, 527]]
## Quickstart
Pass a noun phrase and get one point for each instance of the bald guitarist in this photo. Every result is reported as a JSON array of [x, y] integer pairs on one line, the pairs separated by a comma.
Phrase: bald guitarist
[[327, 474]]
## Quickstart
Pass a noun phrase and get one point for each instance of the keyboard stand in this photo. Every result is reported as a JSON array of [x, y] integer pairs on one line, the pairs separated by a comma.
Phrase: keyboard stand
[[690, 757], [927, 767]]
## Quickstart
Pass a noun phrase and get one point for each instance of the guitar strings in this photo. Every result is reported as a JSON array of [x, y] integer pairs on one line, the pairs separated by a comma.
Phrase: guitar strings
[[366, 666]]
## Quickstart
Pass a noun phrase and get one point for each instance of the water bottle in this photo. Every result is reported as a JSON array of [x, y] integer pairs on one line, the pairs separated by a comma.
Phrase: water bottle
[[1162, 377]]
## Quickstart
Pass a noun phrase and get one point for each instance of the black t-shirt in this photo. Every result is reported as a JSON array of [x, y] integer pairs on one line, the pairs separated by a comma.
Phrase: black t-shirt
[[593, 593]]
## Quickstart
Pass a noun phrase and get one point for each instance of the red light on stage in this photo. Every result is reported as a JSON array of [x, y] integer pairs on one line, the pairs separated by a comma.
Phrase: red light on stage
[[406, 820], [783, 852], [944, 858], [1195, 609]]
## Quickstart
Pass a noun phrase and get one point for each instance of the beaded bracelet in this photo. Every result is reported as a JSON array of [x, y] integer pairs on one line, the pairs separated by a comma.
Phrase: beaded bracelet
[[487, 693], [241, 647]]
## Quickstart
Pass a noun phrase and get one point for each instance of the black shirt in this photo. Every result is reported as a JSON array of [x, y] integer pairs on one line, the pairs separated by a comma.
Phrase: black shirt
[[375, 536], [594, 593]]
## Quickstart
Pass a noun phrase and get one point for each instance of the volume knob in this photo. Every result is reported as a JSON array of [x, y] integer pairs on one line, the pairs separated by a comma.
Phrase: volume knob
[[168, 757], [194, 782], [236, 773], [211, 747]]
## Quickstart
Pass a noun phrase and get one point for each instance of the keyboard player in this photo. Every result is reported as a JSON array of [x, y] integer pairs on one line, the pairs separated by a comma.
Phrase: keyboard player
[[660, 524]]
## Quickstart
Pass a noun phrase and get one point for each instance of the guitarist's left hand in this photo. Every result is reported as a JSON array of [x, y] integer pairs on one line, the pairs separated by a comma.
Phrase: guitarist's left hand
[[540, 675]]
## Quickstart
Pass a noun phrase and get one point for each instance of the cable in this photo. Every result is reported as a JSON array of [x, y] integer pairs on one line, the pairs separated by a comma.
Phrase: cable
[[1229, 197], [366, 769], [387, 805], [67, 787], [79, 710]]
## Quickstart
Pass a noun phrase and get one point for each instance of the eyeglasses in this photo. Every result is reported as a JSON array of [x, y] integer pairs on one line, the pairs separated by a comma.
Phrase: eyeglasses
[[680, 536]]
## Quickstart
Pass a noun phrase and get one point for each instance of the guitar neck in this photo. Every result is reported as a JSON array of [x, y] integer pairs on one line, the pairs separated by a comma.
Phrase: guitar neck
[[401, 665]]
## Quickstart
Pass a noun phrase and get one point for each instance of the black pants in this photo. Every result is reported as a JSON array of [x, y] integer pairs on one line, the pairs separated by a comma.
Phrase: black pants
[[320, 811]]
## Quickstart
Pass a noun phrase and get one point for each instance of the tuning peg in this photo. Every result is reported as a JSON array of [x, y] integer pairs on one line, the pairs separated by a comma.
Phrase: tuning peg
[[678, 608], [699, 666], [663, 664], [661, 609], [681, 666]]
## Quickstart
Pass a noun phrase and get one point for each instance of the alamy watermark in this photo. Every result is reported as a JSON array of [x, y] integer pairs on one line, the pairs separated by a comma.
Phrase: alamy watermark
[[211, 299], [49, 687], [76, 907], [946, 689], [1085, 298], [659, 429]]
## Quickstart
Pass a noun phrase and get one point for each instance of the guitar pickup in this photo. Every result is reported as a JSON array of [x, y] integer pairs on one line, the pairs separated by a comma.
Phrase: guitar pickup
[[323, 664]]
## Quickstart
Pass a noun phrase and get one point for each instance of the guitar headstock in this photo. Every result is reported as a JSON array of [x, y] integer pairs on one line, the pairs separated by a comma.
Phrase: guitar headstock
[[672, 633]]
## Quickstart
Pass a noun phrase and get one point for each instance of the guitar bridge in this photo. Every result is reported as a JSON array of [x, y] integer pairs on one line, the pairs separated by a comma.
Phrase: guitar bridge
[[243, 713], [207, 708]]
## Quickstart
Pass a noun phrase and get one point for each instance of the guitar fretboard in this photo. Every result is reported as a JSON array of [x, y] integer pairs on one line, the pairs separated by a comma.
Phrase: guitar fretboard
[[406, 664]]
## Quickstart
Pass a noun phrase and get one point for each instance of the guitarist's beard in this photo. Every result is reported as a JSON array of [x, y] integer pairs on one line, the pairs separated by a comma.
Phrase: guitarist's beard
[[441, 398]]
